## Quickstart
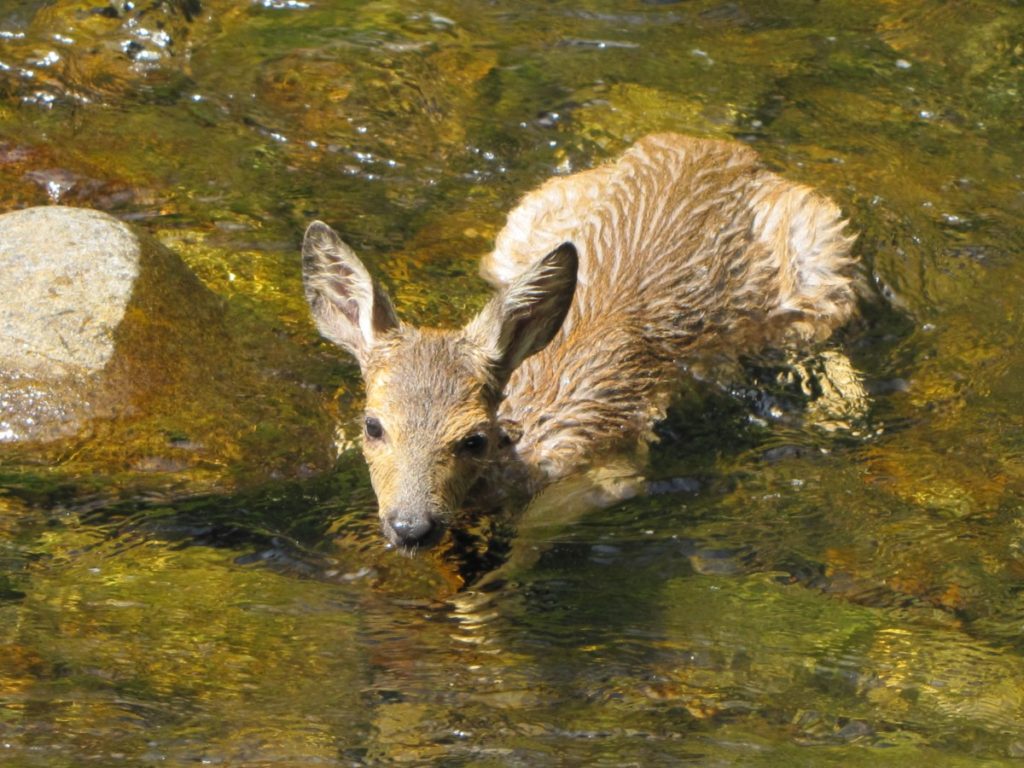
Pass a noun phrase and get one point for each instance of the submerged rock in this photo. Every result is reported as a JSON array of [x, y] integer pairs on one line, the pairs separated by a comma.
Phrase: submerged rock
[[120, 368]]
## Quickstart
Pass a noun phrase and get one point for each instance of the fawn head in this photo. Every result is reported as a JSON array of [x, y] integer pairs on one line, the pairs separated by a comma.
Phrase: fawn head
[[431, 425]]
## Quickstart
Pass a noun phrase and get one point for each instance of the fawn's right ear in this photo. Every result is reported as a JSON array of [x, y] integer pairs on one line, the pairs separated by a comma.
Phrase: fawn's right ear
[[349, 307], [526, 315]]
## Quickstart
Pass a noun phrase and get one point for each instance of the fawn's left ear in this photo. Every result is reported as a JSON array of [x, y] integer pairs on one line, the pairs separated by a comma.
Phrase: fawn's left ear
[[526, 315], [350, 308]]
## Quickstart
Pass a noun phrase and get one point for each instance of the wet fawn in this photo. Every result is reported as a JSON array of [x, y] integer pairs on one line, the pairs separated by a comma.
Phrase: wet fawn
[[680, 250]]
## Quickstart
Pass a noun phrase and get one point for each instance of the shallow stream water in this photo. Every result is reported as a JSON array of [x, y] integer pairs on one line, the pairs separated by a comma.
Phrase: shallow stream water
[[800, 592]]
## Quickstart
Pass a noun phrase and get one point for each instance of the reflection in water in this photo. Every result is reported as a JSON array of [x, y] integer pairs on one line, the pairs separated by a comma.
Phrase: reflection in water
[[797, 584]]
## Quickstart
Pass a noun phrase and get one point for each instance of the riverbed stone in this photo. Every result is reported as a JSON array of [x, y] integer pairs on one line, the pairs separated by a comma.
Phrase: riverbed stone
[[67, 275], [86, 303], [119, 367]]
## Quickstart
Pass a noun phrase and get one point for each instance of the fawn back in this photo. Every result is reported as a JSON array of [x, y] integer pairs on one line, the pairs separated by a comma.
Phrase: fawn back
[[689, 251]]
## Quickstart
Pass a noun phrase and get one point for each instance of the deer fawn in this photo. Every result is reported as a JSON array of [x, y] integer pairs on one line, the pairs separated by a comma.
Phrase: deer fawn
[[683, 249]]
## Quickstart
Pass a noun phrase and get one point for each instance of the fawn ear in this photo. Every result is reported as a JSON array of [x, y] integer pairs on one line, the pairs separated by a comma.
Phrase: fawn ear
[[527, 314], [348, 305]]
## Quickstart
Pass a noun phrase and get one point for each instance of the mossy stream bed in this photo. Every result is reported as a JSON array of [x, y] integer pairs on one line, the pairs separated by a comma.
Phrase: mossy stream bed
[[205, 583]]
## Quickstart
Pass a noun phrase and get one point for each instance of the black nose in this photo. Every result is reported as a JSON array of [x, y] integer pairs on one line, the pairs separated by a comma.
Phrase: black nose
[[410, 530]]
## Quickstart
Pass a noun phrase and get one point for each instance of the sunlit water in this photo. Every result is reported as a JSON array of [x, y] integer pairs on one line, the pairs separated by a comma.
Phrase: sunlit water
[[792, 595]]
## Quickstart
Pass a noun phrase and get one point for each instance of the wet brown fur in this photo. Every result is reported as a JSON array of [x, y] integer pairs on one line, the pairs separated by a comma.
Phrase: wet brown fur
[[689, 250], [685, 250]]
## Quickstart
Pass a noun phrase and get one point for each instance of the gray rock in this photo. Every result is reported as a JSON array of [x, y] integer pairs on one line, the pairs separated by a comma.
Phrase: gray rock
[[66, 275], [71, 349], [119, 368]]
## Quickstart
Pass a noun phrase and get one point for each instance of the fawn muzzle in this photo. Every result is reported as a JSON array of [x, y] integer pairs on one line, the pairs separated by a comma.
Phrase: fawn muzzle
[[411, 529]]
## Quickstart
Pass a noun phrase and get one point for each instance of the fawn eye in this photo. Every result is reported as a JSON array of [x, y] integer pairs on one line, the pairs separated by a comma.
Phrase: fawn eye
[[473, 445], [374, 429]]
